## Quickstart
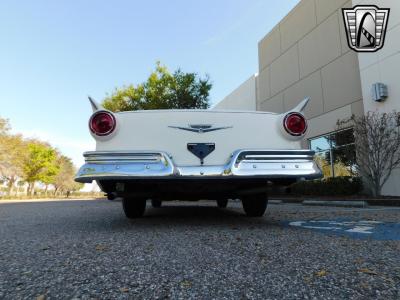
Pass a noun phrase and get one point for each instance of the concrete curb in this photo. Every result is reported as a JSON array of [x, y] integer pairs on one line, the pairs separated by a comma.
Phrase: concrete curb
[[335, 203], [5, 201], [274, 201]]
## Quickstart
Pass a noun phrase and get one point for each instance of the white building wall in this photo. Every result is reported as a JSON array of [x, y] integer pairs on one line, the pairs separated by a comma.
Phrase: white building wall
[[306, 54], [242, 98], [384, 66]]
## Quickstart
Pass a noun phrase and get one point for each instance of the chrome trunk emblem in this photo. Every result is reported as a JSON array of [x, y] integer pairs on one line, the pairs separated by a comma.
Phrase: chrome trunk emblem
[[200, 128]]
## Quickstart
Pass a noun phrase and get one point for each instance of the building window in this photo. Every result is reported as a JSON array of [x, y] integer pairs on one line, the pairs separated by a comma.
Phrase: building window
[[335, 153]]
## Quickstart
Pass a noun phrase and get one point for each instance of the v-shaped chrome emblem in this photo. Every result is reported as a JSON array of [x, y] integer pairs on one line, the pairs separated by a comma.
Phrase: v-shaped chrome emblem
[[200, 128]]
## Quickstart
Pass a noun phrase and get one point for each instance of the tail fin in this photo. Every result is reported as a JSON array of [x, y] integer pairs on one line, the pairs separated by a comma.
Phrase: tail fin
[[302, 105], [95, 106]]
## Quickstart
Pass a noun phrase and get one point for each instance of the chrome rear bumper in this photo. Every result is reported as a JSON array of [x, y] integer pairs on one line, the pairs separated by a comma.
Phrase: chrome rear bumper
[[113, 165]]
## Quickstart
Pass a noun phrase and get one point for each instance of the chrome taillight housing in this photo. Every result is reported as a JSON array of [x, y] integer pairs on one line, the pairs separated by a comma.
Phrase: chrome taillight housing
[[295, 124], [102, 123]]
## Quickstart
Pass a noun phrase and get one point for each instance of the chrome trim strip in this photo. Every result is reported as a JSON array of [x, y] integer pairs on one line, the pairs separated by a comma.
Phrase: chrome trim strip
[[113, 165], [121, 159], [261, 156], [124, 156]]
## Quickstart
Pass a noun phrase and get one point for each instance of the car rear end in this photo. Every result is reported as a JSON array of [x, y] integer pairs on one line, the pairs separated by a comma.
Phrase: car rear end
[[193, 154]]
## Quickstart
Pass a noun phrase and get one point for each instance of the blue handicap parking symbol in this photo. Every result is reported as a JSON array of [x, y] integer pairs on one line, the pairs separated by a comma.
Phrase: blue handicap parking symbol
[[363, 229]]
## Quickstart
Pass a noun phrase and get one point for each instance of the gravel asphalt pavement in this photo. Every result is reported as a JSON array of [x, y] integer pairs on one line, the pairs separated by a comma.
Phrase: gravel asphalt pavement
[[87, 249]]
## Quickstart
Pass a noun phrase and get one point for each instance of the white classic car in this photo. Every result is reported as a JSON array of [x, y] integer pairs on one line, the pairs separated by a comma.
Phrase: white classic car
[[196, 154]]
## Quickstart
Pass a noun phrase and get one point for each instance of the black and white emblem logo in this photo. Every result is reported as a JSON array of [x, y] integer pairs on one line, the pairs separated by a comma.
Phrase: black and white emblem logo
[[365, 27], [200, 128]]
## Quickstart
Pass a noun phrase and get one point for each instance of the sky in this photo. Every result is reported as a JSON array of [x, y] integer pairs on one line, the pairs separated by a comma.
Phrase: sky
[[53, 54]]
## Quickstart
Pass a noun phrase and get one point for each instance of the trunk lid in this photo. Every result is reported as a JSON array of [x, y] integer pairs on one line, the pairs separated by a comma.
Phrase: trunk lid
[[172, 130]]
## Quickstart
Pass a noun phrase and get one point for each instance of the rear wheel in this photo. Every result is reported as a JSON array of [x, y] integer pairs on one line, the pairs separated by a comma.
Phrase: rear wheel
[[255, 205], [222, 203], [111, 196], [156, 203], [133, 207]]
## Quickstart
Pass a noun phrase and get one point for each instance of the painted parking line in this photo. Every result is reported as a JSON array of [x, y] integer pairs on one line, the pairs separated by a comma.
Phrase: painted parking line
[[362, 229]]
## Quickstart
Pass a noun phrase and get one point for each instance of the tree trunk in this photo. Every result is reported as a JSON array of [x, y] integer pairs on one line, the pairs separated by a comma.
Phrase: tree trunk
[[28, 190], [10, 185], [31, 187], [376, 191], [45, 189]]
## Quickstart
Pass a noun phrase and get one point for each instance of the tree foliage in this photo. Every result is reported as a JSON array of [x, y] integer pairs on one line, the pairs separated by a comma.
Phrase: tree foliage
[[39, 163], [29, 161], [340, 168], [162, 90], [64, 179], [4, 126], [12, 159], [49, 175], [377, 143], [12, 154]]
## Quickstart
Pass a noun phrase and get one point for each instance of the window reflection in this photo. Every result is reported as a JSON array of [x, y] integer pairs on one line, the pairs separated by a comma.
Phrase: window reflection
[[320, 144], [335, 153]]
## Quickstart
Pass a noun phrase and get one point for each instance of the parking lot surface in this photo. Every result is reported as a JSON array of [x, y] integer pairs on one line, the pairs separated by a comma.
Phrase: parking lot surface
[[87, 249]]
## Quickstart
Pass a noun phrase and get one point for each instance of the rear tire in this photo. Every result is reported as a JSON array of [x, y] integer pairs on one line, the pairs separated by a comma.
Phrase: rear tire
[[133, 207], [111, 196], [255, 205], [156, 203], [222, 203]]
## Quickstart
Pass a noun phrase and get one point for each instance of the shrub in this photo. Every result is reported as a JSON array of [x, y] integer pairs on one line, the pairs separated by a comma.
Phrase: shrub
[[332, 186]]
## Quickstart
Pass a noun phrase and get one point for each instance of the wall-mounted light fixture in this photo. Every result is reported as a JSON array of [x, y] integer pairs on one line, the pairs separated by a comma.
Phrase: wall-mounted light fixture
[[379, 92]]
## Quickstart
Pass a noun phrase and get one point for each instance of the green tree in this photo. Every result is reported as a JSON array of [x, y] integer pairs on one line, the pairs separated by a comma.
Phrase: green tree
[[12, 154], [12, 160], [49, 174], [33, 160], [4, 126], [64, 179], [162, 90], [75, 186], [38, 163]]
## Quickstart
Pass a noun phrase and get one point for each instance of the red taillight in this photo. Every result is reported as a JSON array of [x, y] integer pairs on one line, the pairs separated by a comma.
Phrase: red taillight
[[295, 124], [102, 123]]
